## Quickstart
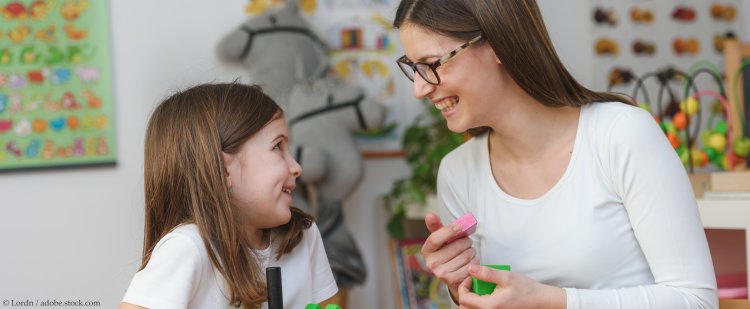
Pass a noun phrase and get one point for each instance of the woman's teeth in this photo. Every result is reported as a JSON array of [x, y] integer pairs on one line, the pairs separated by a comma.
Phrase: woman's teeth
[[446, 104]]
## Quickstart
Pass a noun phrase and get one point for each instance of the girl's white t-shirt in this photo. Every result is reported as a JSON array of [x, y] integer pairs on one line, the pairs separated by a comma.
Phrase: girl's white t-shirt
[[180, 274]]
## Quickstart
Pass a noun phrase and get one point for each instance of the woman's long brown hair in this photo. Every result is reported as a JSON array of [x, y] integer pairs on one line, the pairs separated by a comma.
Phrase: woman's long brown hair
[[515, 30], [185, 179]]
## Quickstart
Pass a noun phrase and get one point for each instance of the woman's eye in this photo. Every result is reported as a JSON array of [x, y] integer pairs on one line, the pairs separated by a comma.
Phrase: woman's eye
[[277, 146]]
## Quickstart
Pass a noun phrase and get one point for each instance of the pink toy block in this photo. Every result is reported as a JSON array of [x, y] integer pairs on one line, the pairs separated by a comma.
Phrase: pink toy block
[[468, 225]]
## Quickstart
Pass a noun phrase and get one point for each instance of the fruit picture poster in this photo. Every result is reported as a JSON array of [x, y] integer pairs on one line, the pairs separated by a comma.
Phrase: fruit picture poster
[[634, 37], [56, 106]]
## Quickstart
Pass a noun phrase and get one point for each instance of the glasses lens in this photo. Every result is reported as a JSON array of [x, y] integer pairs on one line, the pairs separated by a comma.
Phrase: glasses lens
[[427, 73], [406, 68]]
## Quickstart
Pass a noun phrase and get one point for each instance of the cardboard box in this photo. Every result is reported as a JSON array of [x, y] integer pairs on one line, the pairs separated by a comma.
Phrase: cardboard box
[[734, 181]]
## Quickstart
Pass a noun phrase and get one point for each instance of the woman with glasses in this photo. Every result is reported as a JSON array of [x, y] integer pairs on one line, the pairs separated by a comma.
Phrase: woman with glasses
[[578, 191]]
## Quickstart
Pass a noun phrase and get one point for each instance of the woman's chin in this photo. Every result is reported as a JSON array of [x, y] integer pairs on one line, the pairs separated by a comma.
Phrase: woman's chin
[[455, 127]]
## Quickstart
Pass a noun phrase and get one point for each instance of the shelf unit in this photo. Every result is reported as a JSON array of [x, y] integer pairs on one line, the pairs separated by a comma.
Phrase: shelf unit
[[728, 214]]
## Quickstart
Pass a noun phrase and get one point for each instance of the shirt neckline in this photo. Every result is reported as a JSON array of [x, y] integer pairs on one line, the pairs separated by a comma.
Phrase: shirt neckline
[[568, 169]]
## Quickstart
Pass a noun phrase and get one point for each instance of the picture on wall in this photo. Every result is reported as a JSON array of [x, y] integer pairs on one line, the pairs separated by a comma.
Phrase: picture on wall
[[364, 47], [669, 56], [56, 105], [633, 37]]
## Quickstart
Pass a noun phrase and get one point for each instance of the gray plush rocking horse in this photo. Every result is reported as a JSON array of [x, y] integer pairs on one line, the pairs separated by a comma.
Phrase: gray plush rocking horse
[[290, 62]]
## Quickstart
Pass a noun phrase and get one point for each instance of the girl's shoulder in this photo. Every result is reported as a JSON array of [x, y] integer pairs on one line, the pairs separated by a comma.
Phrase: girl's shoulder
[[311, 235], [177, 268], [183, 239], [188, 231]]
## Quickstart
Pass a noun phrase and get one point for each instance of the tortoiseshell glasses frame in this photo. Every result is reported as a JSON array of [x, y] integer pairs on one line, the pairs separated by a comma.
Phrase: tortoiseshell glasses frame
[[428, 71]]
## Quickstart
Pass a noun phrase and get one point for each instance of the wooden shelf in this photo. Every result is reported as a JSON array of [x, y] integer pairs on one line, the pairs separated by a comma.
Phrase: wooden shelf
[[725, 214], [728, 214]]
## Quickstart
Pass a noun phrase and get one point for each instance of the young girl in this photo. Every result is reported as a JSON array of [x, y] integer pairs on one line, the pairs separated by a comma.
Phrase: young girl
[[218, 184]]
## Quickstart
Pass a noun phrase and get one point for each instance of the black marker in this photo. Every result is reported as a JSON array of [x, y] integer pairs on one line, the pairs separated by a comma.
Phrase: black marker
[[273, 285]]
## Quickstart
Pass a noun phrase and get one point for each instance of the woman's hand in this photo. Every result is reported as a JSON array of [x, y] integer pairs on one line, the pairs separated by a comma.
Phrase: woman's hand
[[448, 261], [513, 290]]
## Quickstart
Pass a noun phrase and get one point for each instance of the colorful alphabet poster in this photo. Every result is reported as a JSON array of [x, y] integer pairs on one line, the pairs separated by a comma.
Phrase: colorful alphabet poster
[[56, 106]]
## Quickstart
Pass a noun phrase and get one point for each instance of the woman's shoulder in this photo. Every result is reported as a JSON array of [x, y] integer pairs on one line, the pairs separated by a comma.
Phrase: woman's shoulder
[[604, 116], [613, 110]]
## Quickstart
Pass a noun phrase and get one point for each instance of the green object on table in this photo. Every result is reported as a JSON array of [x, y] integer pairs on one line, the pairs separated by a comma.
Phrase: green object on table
[[480, 287], [316, 306]]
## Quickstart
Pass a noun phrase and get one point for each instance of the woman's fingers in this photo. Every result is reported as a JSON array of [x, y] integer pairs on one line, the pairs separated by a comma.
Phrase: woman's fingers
[[439, 237], [449, 261], [461, 260], [499, 277], [464, 287], [497, 299], [467, 298], [432, 221], [444, 254], [455, 270]]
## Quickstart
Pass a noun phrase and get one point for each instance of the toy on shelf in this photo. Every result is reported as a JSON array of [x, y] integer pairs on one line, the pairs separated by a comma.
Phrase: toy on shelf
[[741, 141], [681, 120], [720, 144], [718, 140]]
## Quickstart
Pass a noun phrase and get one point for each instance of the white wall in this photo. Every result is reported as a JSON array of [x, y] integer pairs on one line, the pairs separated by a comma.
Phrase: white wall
[[568, 26], [76, 233]]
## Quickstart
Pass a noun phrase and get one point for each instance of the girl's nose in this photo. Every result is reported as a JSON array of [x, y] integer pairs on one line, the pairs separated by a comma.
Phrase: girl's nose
[[295, 168]]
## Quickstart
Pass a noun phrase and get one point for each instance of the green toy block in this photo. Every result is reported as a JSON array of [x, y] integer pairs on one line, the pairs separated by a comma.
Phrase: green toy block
[[316, 306], [480, 287]]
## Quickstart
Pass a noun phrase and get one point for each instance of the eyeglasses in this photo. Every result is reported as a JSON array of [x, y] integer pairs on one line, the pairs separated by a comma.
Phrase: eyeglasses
[[428, 71]]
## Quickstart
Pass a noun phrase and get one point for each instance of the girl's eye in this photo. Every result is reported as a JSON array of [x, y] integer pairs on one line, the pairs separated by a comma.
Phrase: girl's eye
[[277, 146]]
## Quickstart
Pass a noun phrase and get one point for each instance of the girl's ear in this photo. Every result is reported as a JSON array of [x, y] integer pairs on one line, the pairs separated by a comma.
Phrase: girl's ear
[[228, 162], [498, 60]]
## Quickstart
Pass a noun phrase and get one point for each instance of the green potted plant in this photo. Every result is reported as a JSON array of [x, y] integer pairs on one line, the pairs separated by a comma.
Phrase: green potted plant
[[425, 142]]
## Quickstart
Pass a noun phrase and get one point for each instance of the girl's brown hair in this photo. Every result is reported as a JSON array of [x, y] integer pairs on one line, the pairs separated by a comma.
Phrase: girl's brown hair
[[515, 30], [185, 179]]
